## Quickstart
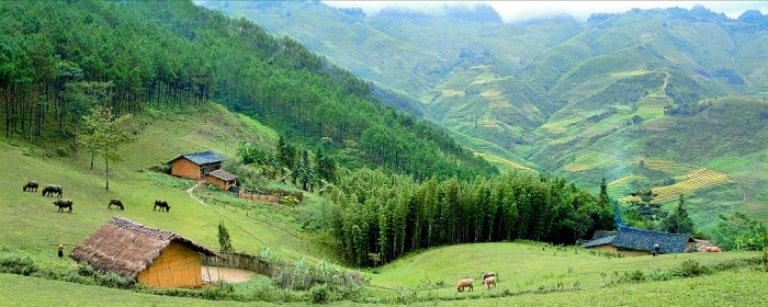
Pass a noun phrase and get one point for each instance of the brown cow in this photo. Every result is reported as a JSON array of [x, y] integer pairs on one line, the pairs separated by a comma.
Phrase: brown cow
[[63, 203], [465, 283], [490, 281]]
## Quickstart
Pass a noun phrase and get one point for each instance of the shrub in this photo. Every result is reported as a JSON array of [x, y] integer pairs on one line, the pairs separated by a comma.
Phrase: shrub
[[85, 269], [764, 258], [219, 291], [15, 264], [691, 268], [113, 280], [319, 294], [633, 276]]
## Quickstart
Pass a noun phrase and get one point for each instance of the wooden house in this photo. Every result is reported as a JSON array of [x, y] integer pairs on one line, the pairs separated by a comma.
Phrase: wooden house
[[222, 179], [196, 165], [633, 241], [155, 258]]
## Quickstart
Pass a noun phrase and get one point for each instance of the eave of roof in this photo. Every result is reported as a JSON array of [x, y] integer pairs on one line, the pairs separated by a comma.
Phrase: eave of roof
[[201, 158]]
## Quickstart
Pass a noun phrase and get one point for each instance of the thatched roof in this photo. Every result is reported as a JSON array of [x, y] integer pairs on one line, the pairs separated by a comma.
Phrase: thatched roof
[[126, 248], [223, 175], [201, 158]]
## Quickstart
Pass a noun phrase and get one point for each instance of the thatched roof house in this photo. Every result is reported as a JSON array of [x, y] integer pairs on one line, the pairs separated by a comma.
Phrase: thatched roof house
[[196, 165], [635, 241], [156, 258]]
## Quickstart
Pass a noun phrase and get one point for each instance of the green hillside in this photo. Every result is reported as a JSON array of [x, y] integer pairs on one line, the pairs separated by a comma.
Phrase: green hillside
[[134, 55], [528, 271], [36, 227], [584, 100]]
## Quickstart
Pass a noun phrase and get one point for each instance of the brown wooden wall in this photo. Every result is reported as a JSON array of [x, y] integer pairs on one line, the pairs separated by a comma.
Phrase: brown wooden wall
[[185, 169], [224, 185], [176, 267], [612, 249]]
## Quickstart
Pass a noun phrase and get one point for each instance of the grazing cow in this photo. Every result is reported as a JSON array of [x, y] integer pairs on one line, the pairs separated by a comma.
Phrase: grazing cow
[[489, 274], [465, 283], [713, 249], [162, 204], [489, 281], [31, 186], [50, 189], [115, 202], [63, 203]]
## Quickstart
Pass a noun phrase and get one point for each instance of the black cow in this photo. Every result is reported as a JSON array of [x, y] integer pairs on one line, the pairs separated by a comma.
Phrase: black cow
[[50, 189], [162, 204], [63, 203], [31, 186], [115, 202]]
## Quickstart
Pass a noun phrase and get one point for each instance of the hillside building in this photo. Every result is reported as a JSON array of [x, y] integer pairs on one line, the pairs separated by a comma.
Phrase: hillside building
[[632, 241], [196, 165], [155, 258]]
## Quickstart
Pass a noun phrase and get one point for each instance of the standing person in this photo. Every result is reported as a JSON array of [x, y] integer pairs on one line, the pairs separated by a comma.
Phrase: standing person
[[656, 248], [61, 251]]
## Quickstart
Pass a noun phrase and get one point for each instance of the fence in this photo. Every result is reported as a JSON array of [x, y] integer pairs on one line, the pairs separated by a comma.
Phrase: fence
[[241, 261], [269, 198]]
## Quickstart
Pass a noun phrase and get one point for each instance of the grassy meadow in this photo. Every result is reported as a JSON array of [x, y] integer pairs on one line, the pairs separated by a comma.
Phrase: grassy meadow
[[530, 273]]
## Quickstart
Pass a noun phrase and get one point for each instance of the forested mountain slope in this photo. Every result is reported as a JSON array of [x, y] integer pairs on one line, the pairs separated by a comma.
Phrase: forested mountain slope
[[684, 89], [54, 55]]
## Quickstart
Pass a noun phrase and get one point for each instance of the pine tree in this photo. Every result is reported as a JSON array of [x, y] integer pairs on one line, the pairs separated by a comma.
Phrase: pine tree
[[224, 241]]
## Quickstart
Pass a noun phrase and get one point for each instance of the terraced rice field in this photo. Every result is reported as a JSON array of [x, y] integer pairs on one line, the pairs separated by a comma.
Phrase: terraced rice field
[[753, 209], [452, 93], [696, 179], [496, 159], [588, 160], [620, 187], [667, 166]]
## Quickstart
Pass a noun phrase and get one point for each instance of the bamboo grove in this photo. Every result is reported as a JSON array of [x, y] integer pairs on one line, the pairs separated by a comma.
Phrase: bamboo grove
[[172, 54], [379, 217]]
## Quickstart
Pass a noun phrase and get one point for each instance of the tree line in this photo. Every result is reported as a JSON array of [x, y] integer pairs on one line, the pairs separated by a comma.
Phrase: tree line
[[378, 217], [172, 54]]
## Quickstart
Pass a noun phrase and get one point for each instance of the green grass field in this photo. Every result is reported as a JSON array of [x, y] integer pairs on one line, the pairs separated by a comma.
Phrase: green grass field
[[530, 273]]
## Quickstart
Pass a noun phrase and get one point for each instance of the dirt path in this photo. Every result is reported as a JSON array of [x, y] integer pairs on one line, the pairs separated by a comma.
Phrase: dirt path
[[214, 274], [192, 189]]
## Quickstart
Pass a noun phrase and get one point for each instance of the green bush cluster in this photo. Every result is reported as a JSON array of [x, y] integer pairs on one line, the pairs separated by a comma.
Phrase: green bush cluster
[[83, 273], [15, 264]]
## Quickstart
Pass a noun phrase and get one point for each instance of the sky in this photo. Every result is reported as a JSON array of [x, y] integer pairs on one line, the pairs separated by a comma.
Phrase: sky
[[513, 11]]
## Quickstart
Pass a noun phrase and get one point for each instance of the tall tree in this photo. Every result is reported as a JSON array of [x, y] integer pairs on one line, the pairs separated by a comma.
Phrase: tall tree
[[104, 134], [678, 221]]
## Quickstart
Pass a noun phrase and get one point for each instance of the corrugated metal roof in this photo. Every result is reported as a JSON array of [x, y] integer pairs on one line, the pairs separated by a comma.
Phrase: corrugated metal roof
[[639, 239], [203, 157], [598, 242]]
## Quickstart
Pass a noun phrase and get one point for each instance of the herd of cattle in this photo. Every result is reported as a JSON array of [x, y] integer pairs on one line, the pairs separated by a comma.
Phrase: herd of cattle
[[51, 189], [489, 280]]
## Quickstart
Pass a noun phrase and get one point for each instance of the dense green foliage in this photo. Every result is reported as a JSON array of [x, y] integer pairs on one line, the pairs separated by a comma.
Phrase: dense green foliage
[[380, 217], [175, 54], [739, 232], [582, 100]]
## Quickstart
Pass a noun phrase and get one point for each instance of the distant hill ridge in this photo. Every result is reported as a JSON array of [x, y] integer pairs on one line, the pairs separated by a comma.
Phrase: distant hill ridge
[[656, 84]]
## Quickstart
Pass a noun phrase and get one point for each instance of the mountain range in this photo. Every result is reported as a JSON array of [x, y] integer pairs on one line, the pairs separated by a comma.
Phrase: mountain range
[[669, 99]]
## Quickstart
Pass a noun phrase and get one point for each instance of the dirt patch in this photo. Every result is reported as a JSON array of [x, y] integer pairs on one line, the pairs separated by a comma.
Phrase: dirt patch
[[214, 274]]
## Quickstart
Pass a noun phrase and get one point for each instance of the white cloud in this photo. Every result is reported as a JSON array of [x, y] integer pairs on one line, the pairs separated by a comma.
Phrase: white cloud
[[522, 10]]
